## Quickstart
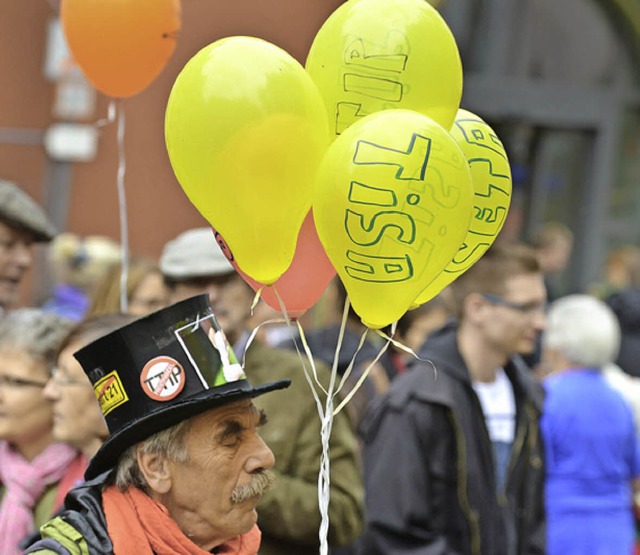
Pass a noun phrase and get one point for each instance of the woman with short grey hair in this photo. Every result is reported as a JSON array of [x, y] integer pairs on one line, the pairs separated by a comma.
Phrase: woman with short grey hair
[[592, 449], [35, 472]]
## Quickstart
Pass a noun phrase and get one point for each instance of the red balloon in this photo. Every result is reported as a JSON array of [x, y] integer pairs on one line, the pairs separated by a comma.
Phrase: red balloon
[[121, 45], [305, 280]]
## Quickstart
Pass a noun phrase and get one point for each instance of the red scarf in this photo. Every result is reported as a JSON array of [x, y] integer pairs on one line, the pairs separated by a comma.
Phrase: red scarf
[[138, 524]]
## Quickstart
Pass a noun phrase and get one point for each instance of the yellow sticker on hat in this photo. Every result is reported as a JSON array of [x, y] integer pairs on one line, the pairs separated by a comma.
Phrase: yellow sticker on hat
[[109, 392]]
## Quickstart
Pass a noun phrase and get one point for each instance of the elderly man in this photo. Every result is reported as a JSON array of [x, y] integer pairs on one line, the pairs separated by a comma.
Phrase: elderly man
[[453, 456], [22, 222], [183, 467], [289, 515]]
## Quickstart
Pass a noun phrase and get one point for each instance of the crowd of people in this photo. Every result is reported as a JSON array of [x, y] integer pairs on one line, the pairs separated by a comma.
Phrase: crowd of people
[[500, 419]]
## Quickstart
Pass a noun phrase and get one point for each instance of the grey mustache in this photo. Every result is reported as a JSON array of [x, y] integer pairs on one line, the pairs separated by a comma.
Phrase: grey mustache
[[260, 483]]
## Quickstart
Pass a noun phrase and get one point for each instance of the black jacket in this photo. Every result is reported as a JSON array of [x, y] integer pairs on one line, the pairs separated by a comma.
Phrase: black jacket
[[626, 306], [429, 471]]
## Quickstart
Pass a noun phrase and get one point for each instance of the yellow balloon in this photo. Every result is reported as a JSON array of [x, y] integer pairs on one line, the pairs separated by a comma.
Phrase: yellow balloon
[[491, 178], [373, 55], [245, 130], [392, 204]]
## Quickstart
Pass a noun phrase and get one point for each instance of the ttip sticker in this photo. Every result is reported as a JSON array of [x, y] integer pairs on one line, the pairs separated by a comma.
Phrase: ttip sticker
[[162, 378]]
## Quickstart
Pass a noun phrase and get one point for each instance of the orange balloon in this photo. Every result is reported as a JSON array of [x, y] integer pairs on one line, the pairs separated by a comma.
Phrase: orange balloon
[[121, 45], [304, 281]]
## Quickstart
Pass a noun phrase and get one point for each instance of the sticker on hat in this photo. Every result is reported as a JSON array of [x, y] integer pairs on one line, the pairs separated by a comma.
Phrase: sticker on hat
[[162, 378], [109, 392], [231, 369]]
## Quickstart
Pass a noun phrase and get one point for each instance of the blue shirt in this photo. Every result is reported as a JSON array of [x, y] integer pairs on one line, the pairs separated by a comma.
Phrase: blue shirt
[[591, 445]]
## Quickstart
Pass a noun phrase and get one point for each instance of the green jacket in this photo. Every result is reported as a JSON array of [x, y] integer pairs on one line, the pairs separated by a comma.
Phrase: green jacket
[[81, 529], [288, 515]]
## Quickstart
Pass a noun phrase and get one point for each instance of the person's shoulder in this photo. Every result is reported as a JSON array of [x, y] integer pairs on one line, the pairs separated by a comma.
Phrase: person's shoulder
[[59, 537], [267, 364], [422, 383]]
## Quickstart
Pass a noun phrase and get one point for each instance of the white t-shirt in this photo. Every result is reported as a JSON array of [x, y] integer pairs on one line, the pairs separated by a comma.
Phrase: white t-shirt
[[499, 407]]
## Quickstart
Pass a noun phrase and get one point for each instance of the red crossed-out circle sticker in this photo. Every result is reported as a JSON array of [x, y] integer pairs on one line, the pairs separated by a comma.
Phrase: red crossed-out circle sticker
[[162, 378]]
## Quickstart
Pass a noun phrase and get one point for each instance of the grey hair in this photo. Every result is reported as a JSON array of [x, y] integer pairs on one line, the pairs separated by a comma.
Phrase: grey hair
[[34, 331], [167, 443], [584, 330]]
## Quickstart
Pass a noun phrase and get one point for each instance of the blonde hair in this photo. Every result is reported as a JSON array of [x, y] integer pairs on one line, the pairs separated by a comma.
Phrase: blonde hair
[[106, 297], [81, 261]]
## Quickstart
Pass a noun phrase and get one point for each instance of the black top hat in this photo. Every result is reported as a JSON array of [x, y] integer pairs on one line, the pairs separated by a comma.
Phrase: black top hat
[[159, 370]]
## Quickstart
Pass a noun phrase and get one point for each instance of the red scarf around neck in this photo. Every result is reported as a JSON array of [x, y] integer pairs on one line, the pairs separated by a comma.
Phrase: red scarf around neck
[[138, 524]]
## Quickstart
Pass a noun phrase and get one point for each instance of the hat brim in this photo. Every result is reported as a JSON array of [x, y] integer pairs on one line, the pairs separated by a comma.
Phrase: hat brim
[[163, 418]]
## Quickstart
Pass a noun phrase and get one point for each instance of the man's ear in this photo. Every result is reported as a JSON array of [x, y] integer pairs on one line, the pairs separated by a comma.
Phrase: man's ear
[[474, 307], [155, 470]]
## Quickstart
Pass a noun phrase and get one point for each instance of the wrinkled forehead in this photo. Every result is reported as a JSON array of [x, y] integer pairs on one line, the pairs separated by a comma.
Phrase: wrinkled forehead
[[243, 412]]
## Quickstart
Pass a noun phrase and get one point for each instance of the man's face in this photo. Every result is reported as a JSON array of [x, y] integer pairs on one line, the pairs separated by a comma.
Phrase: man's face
[[15, 260], [512, 322], [230, 300], [227, 459]]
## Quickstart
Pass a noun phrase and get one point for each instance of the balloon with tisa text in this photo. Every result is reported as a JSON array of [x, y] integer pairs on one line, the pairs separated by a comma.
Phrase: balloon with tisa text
[[392, 206]]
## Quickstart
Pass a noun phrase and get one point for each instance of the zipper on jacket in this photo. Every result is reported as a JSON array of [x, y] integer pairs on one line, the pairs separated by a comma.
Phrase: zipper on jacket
[[515, 454], [469, 513]]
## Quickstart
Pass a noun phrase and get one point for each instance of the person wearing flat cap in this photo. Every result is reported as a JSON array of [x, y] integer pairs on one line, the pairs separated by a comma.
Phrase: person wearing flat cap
[[183, 466], [22, 223]]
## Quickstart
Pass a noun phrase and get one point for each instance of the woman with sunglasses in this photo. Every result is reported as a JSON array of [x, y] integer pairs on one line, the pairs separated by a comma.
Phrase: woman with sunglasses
[[35, 471]]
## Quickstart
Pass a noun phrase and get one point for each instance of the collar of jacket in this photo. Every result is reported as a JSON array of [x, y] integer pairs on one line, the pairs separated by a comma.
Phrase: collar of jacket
[[442, 366]]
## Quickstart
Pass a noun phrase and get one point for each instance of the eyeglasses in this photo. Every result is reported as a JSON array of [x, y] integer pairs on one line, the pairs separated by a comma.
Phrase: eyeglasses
[[524, 308], [11, 381], [61, 379]]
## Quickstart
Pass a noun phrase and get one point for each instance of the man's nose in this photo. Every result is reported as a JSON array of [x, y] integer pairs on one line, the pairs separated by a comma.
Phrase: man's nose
[[262, 458], [540, 320], [213, 291], [51, 390]]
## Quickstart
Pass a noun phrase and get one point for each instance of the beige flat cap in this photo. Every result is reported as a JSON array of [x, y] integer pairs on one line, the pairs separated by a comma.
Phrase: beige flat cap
[[19, 210]]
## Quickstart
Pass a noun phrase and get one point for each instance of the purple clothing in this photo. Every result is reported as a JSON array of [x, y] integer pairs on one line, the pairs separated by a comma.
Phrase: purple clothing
[[67, 302], [592, 454]]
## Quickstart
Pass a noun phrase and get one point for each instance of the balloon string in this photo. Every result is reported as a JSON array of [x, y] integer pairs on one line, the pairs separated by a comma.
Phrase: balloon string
[[326, 424], [111, 115], [406, 349], [349, 368], [307, 351], [122, 205], [368, 369], [324, 476]]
